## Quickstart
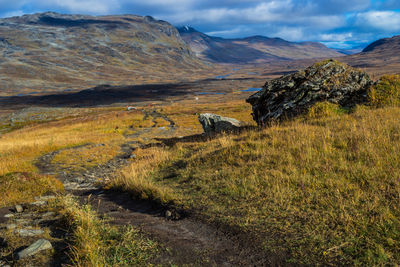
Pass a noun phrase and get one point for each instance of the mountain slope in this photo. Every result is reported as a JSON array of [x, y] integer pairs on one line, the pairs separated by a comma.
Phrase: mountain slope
[[48, 51], [380, 57], [251, 49]]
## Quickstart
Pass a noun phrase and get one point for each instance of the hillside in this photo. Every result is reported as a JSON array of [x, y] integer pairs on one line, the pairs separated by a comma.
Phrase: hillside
[[255, 49], [48, 51], [380, 57]]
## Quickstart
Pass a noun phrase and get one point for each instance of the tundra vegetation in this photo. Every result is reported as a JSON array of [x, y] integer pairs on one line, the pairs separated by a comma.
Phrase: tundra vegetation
[[320, 189]]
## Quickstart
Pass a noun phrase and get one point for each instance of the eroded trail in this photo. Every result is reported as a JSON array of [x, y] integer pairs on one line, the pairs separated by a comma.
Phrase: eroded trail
[[188, 240]]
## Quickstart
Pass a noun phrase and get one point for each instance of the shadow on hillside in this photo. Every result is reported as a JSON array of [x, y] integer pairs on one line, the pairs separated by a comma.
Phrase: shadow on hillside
[[106, 95]]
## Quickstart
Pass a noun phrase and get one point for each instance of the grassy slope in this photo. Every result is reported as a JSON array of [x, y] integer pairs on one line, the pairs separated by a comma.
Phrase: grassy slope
[[320, 191], [20, 149], [317, 190]]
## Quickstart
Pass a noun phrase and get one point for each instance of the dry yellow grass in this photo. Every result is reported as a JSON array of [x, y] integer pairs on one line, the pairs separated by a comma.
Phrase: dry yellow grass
[[86, 157], [136, 178], [96, 243], [322, 191], [21, 148]]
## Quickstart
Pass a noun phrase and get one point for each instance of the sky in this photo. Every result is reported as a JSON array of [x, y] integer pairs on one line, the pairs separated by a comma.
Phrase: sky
[[336, 23]]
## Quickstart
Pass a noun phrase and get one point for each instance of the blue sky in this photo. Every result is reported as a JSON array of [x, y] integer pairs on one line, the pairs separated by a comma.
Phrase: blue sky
[[336, 23]]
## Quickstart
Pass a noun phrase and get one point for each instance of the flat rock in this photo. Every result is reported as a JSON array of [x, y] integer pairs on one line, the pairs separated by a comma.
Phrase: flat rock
[[36, 247], [45, 198], [29, 232], [22, 221], [213, 123], [10, 215], [19, 208], [11, 226], [39, 203], [48, 214]]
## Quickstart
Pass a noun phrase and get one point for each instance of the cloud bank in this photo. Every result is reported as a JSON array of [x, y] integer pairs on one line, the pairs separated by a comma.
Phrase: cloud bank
[[337, 23]]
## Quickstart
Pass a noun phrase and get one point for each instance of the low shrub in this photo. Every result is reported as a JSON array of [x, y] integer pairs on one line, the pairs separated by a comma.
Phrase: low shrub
[[324, 109], [386, 92]]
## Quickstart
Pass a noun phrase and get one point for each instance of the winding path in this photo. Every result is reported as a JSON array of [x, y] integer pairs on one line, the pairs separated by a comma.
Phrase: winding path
[[189, 240]]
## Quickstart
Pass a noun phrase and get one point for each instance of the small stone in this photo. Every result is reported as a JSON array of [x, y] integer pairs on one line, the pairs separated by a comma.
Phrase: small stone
[[28, 215], [48, 214], [29, 232], [10, 215], [133, 156], [40, 245], [45, 198], [22, 221], [39, 203], [168, 214], [19, 208], [11, 226]]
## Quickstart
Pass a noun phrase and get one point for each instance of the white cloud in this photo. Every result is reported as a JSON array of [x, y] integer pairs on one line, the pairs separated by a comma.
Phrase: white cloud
[[336, 37], [382, 20]]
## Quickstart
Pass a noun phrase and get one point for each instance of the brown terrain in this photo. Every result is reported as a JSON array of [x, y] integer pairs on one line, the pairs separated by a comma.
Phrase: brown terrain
[[48, 52], [254, 49], [53, 64], [380, 57]]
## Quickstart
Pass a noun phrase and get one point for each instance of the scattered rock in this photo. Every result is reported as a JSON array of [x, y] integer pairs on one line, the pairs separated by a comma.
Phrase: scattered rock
[[168, 214], [172, 215], [39, 203], [48, 214], [22, 221], [294, 94], [19, 208], [213, 123], [11, 226], [40, 245], [29, 232], [45, 198]]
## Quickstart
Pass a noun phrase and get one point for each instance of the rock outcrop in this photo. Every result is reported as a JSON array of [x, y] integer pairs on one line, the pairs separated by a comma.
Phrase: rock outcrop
[[294, 94], [213, 123]]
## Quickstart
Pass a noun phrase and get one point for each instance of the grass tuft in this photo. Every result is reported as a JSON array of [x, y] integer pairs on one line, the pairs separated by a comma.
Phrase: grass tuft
[[96, 243]]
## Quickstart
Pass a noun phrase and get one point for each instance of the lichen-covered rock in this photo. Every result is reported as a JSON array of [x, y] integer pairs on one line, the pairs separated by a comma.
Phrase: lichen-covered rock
[[39, 245], [294, 94], [213, 123]]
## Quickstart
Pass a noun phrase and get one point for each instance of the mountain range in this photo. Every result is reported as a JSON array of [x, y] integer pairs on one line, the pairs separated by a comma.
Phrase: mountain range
[[46, 51], [254, 49]]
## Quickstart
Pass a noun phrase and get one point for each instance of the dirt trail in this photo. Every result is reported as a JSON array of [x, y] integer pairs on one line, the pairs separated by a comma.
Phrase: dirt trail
[[190, 241]]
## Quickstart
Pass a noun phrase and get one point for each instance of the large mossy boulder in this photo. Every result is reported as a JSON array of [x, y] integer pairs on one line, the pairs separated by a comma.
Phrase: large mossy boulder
[[294, 94]]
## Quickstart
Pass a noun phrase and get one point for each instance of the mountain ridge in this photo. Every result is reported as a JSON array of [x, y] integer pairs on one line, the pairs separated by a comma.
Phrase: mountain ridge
[[46, 51], [252, 49]]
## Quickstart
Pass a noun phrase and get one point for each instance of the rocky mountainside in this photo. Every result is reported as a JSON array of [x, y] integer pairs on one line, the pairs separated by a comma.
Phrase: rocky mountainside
[[48, 51], [251, 49], [294, 94], [380, 57]]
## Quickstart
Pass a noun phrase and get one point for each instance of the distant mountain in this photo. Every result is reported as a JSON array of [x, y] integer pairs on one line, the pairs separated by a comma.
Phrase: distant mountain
[[46, 51], [381, 56], [384, 45], [251, 49]]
